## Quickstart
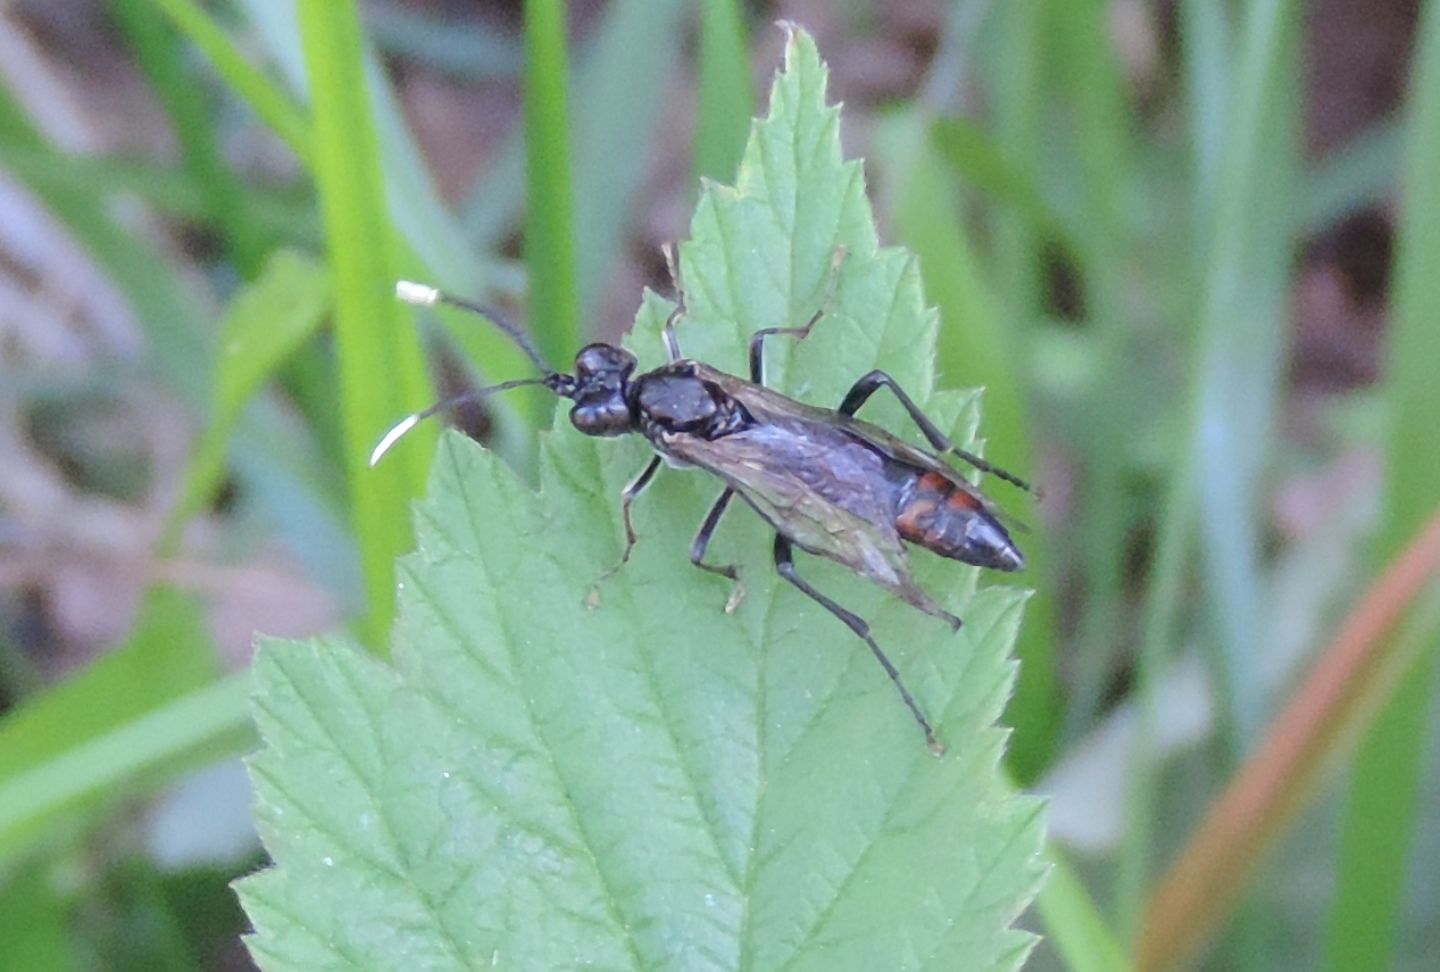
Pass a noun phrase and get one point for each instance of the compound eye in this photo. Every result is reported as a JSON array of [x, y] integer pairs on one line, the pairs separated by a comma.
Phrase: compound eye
[[603, 359], [602, 416]]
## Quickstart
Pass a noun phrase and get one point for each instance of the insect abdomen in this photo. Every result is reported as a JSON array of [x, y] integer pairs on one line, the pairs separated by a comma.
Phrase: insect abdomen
[[941, 516]]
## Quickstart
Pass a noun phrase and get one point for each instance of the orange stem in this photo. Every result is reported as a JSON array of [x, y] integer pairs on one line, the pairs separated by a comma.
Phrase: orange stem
[[1354, 671]]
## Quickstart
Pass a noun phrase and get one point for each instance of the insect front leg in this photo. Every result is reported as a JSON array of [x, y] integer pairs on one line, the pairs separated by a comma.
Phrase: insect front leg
[[785, 564], [702, 541], [860, 393], [627, 498]]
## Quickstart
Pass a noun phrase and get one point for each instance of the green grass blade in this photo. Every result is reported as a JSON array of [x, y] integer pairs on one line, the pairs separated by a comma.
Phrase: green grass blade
[[268, 453], [204, 724], [492, 208], [1011, 62], [726, 101], [480, 54], [549, 220], [276, 108], [1378, 825], [33, 921], [265, 324], [434, 249], [1084, 70], [982, 165], [1208, 63], [173, 191], [1073, 924], [1240, 322], [628, 77], [382, 373], [1158, 624], [1363, 172], [167, 655], [1242, 326], [978, 350], [157, 48]]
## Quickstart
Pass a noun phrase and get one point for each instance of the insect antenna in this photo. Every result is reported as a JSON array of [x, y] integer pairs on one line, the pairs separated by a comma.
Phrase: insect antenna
[[422, 295], [398, 430]]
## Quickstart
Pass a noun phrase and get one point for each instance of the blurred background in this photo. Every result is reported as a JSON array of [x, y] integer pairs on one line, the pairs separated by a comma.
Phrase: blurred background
[[1189, 248]]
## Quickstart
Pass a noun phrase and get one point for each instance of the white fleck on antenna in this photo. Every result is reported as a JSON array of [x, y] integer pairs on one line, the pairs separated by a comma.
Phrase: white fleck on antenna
[[393, 436], [417, 294]]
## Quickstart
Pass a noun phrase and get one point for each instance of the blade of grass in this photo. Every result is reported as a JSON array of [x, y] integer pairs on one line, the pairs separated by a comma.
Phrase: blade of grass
[[726, 100], [1357, 672], [277, 214], [1073, 923], [1242, 325], [167, 655], [1379, 817], [1207, 63], [981, 164], [33, 925], [276, 108], [1239, 321], [1011, 61], [1158, 626], [201, 725], [611, 59], [549, 184], [976, 349], [264, 326], [1085, 71], [629, 77], [268, 453], [432, 246], [157, 48], [1362, 172], [307, 374], [382, 371], [479, 54]]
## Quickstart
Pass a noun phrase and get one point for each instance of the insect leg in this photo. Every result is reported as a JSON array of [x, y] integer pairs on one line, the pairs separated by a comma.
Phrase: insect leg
[[785, 564], [702, 541], [757, 340], [672, 342], [861, 391], [627, 498]]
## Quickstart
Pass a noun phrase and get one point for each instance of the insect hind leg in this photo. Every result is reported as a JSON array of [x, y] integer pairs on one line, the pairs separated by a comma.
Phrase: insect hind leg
[[785, 564], [868, 385]]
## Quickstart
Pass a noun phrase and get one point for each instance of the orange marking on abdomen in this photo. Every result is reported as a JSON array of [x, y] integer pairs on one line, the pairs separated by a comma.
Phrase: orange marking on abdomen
[[918, 517], [961, 500], [915, 518]]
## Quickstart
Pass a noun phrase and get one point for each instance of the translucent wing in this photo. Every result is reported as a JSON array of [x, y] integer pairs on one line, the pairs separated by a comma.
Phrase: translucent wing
[[769, 405]]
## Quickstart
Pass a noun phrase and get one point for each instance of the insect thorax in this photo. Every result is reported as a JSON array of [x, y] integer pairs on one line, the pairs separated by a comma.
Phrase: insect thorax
[[675, 400]]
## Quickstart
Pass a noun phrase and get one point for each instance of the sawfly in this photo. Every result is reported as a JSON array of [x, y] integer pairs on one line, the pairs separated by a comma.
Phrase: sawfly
[[826, 481]]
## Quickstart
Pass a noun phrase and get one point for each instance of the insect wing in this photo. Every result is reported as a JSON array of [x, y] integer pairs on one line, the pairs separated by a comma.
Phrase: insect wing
[[766, 404], [822, 489]]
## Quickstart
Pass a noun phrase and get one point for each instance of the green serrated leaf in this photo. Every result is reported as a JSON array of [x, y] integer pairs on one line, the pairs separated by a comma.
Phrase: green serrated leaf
[[653, 783]]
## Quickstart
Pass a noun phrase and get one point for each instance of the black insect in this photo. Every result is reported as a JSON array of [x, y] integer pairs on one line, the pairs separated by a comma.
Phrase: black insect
[[827, 482]]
